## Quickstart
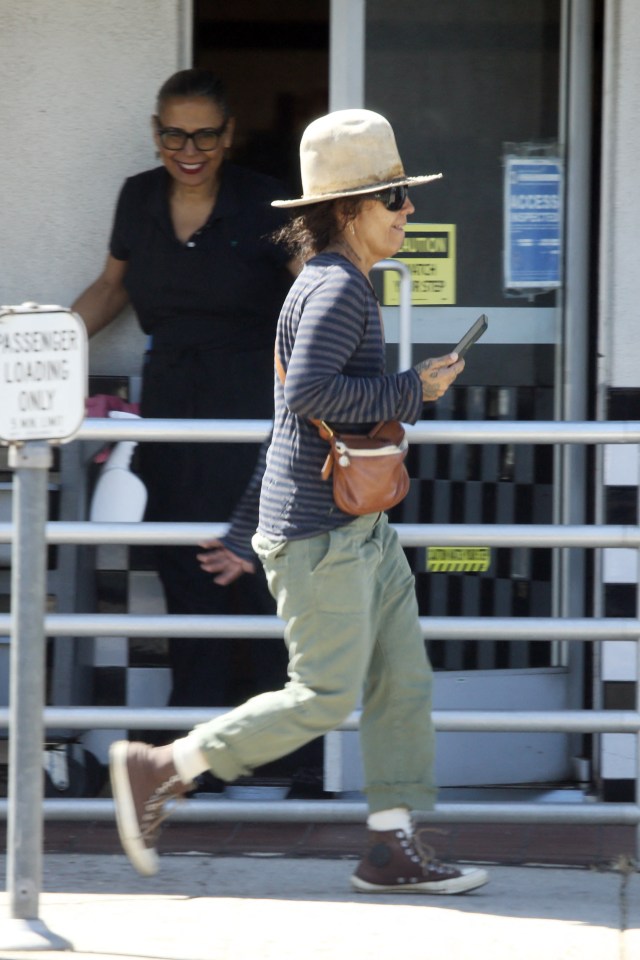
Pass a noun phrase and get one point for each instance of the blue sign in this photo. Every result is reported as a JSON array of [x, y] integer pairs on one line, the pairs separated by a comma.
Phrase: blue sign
[[532, 222]]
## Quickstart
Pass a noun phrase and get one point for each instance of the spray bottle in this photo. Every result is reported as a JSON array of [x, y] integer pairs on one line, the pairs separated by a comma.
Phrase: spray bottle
[[120, 496]]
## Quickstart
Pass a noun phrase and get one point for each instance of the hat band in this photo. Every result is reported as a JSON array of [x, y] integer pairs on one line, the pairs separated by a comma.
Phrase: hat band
[[356, 191]]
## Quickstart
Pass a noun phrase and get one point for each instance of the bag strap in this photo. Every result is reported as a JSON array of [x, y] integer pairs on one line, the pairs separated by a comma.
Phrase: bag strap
[[279, 368], [322, 426]]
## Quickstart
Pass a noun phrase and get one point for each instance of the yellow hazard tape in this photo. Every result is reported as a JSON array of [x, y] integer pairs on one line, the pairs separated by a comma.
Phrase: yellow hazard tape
[[458, 559]]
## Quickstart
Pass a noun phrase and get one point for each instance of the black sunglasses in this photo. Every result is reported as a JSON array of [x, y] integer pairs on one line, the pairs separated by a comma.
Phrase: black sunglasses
[[393, 198], [174, 138]]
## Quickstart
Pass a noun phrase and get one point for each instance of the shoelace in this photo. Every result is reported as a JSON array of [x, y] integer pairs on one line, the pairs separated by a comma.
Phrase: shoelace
[[156, 810], [427, 855]]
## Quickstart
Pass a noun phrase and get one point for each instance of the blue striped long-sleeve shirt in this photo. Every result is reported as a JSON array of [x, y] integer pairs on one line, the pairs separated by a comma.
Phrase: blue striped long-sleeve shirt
[[331, 344]]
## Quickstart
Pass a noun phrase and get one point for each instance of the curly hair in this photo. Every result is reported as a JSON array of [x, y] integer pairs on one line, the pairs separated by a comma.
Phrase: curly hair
[[318, 225]]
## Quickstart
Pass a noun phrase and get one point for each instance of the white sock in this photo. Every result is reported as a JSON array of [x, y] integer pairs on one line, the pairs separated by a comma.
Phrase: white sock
[[397, 818], [189, 759]]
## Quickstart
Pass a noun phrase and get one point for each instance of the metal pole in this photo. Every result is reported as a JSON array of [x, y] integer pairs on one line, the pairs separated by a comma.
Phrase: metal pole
[[405, 344], [637, 739], [346, 54], [27, 695], [185, 19], [576, 133], [432, 431], [203, 810]]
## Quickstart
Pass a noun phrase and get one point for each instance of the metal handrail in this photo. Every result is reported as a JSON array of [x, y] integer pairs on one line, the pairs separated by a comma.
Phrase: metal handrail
[[201, 810], [517, 629], [83, 532], [426, 431], [449, 628], [504, 721]]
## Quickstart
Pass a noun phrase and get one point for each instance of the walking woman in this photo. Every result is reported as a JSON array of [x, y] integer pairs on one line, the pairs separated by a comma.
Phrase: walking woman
[[342, 583]]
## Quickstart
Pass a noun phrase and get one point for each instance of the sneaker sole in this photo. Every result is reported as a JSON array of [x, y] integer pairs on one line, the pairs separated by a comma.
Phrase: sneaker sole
[[142, 858], [463, 884]]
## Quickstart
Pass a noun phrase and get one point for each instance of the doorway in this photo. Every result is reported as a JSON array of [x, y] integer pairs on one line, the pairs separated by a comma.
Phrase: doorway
[[470, 88], [274, 59]]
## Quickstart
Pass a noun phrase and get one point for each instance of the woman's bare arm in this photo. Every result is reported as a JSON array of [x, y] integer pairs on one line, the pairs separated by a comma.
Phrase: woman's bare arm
[[105, 298]]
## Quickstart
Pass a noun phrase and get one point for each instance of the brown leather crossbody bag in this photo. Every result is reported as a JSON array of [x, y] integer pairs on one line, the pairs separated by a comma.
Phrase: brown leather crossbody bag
[[368, 470]]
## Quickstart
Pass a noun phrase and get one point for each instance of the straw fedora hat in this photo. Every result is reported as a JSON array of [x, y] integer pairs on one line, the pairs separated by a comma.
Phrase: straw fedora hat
[[349, 152]]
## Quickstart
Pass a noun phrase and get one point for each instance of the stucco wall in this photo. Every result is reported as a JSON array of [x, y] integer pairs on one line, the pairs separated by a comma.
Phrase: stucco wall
[[78, 83], [620, 233]]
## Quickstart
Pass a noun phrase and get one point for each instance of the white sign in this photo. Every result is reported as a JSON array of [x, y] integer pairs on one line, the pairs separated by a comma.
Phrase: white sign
[[43, 373]]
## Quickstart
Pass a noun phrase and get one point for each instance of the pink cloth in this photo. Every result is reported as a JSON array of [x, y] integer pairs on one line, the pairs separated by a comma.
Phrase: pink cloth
[[102, 403]]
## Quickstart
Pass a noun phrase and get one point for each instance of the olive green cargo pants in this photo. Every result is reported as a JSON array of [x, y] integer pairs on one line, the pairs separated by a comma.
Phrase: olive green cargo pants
[[353, 636]]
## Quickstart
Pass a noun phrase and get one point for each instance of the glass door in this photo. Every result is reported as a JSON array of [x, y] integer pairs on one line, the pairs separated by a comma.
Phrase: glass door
[[478, 89]]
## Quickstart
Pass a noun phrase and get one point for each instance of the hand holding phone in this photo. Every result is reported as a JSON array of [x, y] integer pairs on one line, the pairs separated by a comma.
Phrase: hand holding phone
[[473, 333]]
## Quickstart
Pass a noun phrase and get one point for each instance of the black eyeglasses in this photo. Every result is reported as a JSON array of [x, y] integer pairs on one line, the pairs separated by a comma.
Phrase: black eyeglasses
[[393, 198], [207, 138]]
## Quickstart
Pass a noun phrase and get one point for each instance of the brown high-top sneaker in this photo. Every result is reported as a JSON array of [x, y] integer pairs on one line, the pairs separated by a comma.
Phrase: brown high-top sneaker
[[398, 862], [143, 781]]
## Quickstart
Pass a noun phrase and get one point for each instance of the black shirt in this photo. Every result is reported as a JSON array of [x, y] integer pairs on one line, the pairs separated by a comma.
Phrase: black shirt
[[226, 284]]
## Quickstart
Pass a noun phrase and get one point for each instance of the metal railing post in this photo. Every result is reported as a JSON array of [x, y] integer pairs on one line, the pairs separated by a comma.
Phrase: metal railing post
[[637, 743], [405, 343], [31, 463]]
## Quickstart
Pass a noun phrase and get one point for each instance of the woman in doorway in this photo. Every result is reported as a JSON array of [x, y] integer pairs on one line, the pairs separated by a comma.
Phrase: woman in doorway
[[191, 251], [342, 583]]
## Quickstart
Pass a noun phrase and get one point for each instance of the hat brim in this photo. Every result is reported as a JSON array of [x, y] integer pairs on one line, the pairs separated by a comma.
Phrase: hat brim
[[357, 191]]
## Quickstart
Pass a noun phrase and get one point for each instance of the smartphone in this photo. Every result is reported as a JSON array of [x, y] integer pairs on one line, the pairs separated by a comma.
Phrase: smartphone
[[473, 333]]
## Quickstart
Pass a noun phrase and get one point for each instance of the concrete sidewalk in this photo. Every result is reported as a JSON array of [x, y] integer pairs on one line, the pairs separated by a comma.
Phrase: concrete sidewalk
[[272, 908]]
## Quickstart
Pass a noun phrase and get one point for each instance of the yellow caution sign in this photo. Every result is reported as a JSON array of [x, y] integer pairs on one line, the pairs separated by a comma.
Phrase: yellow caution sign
[[429, 250], [458, 559]]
